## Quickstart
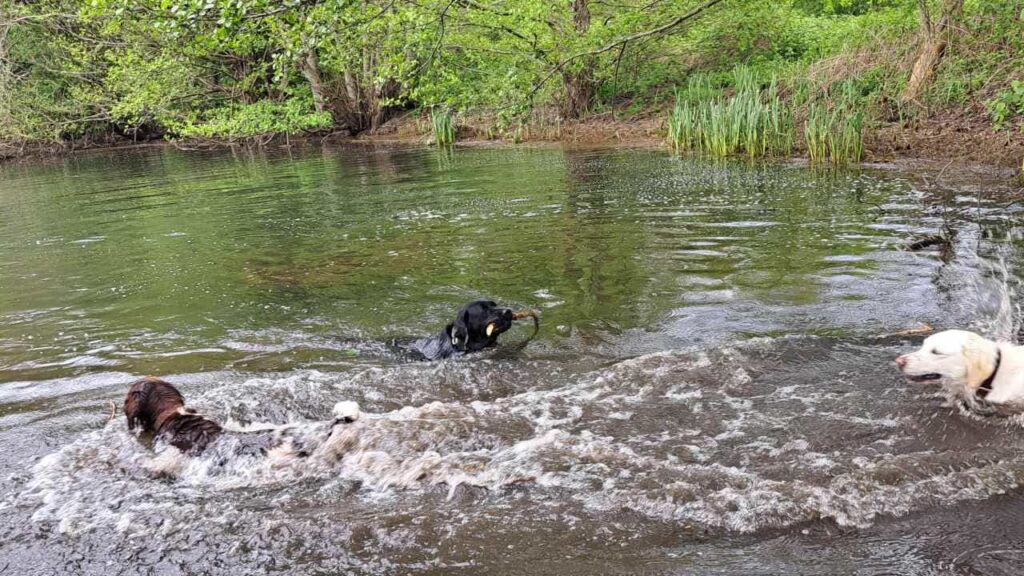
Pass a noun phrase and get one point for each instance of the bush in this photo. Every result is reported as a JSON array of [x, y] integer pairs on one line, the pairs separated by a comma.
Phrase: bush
[[247, 120], [1008, 106]]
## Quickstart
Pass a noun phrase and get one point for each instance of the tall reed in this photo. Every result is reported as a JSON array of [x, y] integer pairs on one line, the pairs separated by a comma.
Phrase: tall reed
[[442, 126], [756, 121], [816, 132], [835, 136], [753, 120]]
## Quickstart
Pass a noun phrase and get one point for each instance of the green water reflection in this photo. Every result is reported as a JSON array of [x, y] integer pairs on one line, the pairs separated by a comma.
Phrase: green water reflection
[[163, 259]]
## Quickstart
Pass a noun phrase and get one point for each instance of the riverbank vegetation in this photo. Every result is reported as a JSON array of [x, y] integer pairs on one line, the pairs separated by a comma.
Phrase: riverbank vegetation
[[722, 77]]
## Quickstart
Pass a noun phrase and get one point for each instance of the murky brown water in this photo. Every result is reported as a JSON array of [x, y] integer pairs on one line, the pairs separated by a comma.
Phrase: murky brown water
[[711, 391]]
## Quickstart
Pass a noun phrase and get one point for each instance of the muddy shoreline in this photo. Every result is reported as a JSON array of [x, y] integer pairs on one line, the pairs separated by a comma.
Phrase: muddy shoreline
[[941, 142]]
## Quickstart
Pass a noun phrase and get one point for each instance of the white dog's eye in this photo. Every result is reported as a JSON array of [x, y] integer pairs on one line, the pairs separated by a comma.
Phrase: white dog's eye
[[936, 352]]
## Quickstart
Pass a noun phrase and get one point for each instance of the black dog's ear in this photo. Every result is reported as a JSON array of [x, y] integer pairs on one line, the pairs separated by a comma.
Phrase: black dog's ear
[[458, 331]]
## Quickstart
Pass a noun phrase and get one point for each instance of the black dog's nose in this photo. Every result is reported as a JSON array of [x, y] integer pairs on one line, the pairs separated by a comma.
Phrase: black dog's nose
[[507, 314]]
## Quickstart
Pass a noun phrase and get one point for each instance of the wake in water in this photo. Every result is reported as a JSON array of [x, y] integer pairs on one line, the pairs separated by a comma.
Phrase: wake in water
[[764, 434], [981, 283]]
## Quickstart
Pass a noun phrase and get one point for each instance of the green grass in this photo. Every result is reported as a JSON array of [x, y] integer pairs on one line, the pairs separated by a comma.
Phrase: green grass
[[442, 125]]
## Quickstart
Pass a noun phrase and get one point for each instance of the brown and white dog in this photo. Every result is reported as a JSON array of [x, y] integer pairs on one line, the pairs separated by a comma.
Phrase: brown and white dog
[[969, 367], [155, 408]]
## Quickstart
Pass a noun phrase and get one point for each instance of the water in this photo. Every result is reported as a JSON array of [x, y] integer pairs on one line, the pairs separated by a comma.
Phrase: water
[[711, 392]]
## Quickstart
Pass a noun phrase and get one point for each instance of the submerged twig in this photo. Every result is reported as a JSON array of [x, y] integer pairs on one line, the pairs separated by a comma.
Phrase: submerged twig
[[928, 242]]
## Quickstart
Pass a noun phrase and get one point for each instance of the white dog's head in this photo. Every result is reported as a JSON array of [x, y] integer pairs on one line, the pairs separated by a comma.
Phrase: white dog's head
[[957, 359]]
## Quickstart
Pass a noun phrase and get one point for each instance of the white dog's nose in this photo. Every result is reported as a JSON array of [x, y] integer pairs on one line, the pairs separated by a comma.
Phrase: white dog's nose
[[901, 361]]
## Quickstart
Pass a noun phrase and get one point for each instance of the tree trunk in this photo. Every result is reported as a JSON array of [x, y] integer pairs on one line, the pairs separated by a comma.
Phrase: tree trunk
[[382, 112], [311, 70], [579, 91], [579, 84], [935, 41], [351, 87]]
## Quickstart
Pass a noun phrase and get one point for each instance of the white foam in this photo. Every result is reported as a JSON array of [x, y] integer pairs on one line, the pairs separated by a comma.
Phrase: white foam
[[689, 436]]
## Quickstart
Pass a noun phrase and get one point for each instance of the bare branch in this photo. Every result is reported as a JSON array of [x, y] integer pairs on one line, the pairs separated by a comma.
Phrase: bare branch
[[664, 28]]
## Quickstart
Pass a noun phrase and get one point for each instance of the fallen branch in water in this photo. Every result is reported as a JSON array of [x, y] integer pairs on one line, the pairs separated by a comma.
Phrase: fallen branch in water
[[113, 411], [922, 329], [928, 242]]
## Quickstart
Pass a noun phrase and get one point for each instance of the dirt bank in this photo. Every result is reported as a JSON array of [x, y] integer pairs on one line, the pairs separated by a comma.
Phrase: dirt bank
[[959, 137], [949, 136], [953, 137]]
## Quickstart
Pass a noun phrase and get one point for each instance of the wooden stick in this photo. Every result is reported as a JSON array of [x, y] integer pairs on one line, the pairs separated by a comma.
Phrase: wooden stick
[[522, 314], [922, 329]]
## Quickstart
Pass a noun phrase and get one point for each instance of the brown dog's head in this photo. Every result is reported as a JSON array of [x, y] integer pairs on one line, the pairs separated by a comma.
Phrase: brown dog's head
[[150, 401]]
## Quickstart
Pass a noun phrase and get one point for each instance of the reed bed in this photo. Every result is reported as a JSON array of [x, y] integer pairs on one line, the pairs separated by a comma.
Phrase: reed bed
[[752, 121], [756, 121], [834, 136]]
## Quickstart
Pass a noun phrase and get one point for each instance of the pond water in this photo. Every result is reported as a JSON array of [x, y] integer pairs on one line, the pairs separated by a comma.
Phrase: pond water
[[711, 390]]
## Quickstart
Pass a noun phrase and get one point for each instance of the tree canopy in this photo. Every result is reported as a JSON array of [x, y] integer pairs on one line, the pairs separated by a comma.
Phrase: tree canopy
[[143, 68]]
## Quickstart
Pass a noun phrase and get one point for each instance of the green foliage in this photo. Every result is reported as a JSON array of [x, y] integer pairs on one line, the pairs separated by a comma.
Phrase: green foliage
[[139, 87], [247, 120], [835, 7], [97, 69], [834, 136], [984, 59], [1008, 106]]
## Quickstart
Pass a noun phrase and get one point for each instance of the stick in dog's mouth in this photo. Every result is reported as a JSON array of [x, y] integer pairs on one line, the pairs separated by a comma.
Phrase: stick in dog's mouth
[[518, 315], [523, 314]]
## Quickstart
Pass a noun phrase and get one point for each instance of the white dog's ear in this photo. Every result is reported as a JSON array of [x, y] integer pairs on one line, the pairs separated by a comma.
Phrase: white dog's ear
[[979, 360]]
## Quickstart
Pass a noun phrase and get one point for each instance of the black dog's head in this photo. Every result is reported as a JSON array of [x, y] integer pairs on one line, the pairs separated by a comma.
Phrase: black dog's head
[[477, 325]]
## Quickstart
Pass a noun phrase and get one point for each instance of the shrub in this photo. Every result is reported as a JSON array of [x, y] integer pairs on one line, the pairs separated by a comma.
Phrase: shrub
[[1007, 106], [247, 120]]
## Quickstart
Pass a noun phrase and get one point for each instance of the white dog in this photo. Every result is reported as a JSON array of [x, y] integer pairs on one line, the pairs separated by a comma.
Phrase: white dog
[[968, 366]]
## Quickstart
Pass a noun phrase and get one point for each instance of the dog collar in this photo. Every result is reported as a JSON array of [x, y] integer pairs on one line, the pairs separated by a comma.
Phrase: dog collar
[[986, 386]]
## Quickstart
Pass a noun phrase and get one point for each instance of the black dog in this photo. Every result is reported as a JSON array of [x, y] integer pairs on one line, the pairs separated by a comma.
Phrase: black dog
[[477, 326]]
